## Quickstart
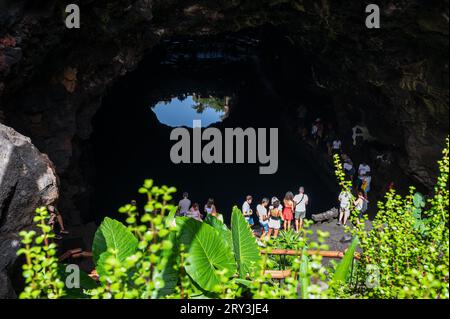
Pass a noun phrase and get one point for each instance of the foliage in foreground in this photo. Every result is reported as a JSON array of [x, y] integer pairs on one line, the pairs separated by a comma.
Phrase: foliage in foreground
[[158, 255], [406, 252]]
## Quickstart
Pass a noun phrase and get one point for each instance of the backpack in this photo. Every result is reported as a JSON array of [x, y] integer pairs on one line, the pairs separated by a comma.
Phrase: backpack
[[364, 206]]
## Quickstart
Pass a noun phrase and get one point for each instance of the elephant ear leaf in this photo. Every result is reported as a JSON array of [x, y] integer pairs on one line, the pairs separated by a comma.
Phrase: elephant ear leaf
[[344, 267], [246, 250], [207, 253], [221, 229], [112, 236]]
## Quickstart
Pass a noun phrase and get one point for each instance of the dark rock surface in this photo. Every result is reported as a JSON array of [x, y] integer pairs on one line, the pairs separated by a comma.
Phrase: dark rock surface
[[325, 216], [27, 181]]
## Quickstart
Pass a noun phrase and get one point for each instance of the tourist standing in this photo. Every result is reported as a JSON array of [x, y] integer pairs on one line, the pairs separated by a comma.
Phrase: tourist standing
[[247, 211], [184, 204], [366, 184], [361, 204], [349, 170], [300, 201], [275, 217], [263, 217], [336, 146], [344, 211], [363, 170], [288, 210]]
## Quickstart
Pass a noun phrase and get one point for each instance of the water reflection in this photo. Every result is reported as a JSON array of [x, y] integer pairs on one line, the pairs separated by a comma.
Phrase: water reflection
[[182, 110]]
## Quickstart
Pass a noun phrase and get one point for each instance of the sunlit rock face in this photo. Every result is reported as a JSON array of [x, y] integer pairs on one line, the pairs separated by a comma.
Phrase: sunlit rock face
[[27, 181]]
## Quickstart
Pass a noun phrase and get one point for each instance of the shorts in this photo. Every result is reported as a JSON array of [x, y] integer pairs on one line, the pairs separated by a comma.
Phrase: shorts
[[346, 211], [274, 223], [249, 220], [265, 226], [299, 215]]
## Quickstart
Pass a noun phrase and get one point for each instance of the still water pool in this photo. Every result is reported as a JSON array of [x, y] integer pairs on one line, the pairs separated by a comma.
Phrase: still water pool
[[183, 110]]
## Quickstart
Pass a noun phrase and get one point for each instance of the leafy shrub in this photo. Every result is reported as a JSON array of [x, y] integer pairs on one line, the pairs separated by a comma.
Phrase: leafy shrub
[[406, 253]]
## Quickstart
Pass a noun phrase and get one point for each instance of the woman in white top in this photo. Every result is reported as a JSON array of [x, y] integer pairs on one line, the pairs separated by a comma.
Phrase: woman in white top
[[210, 208], [344, 210]]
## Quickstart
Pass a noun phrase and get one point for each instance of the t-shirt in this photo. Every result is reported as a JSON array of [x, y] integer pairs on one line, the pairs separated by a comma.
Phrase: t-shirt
[[363, 169], [246, 210], [300, 200], [348, 166], [184, 205], [262, 212], [337, 144], [344, 198]]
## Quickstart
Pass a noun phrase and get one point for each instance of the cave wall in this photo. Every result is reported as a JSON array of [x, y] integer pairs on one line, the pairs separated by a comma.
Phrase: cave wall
[[27, 180], [52, 79]]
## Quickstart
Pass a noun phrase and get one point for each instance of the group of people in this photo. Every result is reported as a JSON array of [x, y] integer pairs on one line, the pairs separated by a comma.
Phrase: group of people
[[323, 133], [272, 214], [272, 217], [346, 200], [185, 208], [361, 185]]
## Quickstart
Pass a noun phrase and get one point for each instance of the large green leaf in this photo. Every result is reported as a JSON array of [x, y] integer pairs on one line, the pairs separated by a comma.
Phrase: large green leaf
[[207, 253], [344, 267], [246, 250], [112, 234], [220, 227], [305, 279]]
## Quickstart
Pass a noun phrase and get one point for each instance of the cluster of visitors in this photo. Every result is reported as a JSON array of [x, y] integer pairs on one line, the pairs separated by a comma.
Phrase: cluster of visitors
[[276, 214], [323, 134], [362, 187], [272, 214], [346, 200], [186, 209]]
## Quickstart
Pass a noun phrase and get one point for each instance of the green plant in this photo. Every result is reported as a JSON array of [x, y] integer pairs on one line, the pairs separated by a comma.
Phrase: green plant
[[41, 268], [406, 253]]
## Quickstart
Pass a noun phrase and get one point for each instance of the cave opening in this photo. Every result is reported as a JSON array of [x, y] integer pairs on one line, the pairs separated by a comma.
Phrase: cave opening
[[243, 76]]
